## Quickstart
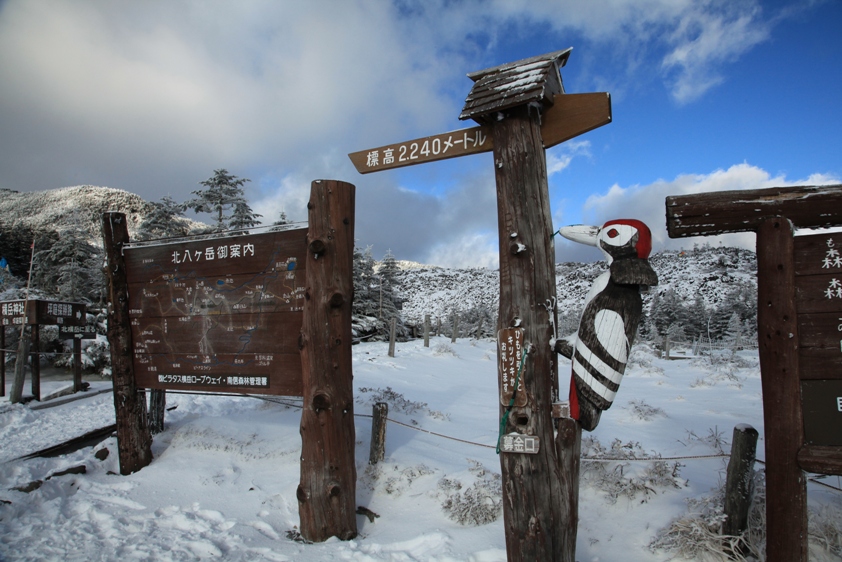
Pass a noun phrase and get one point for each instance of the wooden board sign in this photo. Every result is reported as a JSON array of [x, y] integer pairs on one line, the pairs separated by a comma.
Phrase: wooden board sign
[[86, 332], [510, 354], [818, 290], [570, 115], [822, 403], [42, 312], [222, 314]]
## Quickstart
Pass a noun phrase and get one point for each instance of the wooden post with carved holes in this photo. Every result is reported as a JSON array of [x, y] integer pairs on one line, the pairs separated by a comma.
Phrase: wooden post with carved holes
[[539, 518], [522, 109], [134, 442], [327, 490]]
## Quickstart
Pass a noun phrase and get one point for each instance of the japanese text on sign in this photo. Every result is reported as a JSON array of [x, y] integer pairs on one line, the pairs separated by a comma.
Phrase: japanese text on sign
[[209, 253], [510, 344], [423, 149], [516, 443]]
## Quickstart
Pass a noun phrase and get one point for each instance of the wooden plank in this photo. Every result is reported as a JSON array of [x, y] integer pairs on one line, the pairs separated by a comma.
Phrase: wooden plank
[[216, 258], [570, 115], [821, 460], [206, 335], [743, 211], [777, 329], [275, 291], [820, 345], [822, 404], [819, 293], [818, 254], [253, 373]]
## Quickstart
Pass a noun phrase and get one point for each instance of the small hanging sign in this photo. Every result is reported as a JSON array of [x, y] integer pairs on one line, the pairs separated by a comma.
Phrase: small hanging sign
[[517, 443], [510, 355]]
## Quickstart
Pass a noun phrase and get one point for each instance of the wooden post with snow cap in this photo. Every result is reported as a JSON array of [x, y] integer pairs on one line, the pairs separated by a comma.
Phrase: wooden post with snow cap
[[791, 274], [327, 490], [134, 442], [522, 109]]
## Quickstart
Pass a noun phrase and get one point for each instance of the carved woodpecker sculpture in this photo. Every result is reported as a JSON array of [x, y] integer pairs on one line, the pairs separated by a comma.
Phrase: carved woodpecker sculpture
[[610, 317]]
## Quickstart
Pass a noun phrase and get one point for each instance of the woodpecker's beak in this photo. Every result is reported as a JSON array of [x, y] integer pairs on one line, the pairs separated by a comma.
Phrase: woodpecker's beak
[[580, 233]]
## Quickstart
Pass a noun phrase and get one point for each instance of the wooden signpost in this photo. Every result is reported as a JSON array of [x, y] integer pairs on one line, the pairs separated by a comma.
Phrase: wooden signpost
[[799, 322], [267, 314], [522, 109], [37, 313]]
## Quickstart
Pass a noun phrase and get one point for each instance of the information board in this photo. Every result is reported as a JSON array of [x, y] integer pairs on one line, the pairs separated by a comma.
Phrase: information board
[[219, 314], [818, 286]]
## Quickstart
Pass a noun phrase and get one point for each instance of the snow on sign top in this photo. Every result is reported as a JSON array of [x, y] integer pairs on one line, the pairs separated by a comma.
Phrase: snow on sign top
[[514, 84]]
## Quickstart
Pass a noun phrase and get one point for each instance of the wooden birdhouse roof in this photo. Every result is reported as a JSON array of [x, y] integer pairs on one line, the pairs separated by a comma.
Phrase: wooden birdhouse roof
[[536, 79]]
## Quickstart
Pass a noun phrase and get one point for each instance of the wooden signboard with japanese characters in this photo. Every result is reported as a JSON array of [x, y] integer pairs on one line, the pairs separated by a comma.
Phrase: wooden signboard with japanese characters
[[818, 290], [221, 314]]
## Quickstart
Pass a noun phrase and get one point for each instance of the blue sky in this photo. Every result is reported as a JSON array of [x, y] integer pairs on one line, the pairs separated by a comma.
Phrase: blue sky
[[152, 96]]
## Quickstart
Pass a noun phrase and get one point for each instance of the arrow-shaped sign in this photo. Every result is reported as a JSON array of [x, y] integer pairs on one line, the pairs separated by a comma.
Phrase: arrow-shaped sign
[[570, 116]]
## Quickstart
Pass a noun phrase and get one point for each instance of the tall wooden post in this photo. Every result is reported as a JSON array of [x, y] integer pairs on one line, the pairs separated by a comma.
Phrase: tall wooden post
[[77, 364], [35, 362], [777, 331], [535, 508], [134, 442], [20, 367], [426, 330], [327, 491]]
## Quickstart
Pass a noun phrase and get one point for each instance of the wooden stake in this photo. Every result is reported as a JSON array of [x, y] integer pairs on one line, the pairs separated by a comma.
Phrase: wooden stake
[[35, 362], [379, 411], [739, 483], [2, 360], [134, 442], [77, 364], [536, 509], [327, 490], [455, 333], [777, 331], [426, 330], [20, 368], [392, 329]]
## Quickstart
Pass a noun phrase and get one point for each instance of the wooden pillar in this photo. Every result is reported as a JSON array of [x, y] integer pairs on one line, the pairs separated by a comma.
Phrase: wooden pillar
[[536, 511], [35, 361], [77, 364], [157, 410], [426, 330], [777, 330], [20, 367], [327, 490], [739, 483], [134, 442], [392, 330]]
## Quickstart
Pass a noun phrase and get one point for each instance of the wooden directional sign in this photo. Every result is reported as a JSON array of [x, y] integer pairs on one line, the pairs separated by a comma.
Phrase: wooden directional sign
[[818, 285], [570, 116], [86, 332], [219, 315], [42, 312]]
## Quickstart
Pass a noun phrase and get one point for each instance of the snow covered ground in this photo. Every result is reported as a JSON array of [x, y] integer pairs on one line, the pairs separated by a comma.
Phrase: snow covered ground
[[222, 484]]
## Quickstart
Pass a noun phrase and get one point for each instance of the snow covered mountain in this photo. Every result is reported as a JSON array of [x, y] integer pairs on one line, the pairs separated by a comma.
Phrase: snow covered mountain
[[707, 271], [43, 210]]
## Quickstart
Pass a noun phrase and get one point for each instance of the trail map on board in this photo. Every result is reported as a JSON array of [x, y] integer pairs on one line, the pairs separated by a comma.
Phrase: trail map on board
[[220, 314]]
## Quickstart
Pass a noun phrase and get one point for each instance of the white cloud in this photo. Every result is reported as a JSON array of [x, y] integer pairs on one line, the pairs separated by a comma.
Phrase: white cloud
[[559, 157], [647, 202]]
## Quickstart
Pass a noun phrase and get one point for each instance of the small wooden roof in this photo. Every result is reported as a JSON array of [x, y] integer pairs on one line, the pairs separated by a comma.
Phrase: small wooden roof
[[514, 84]]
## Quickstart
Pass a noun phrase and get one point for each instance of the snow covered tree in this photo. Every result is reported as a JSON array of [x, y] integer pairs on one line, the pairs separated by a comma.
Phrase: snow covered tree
[[223, 194], [68, 265], [165, 221]]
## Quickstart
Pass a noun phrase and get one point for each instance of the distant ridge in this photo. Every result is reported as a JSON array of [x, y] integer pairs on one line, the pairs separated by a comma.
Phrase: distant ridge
[[46, 210]]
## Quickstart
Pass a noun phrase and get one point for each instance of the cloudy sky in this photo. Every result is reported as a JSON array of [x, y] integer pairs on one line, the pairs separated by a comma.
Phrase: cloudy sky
[[152, 96]]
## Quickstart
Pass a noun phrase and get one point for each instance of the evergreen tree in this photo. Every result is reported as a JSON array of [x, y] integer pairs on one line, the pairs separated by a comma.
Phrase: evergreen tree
[[166, 220], [223, 195], [68, 265]]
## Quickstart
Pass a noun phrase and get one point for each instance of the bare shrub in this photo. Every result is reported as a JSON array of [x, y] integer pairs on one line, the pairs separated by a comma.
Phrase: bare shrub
[[477, 504]]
